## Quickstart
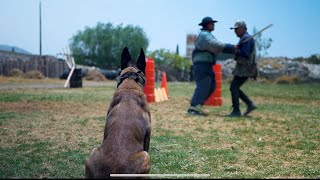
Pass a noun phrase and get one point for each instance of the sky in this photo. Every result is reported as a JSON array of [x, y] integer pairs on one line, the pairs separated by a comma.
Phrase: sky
[[295, 31]]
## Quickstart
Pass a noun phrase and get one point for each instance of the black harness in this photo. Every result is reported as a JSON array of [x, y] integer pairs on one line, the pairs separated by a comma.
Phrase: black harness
[[138, 77]]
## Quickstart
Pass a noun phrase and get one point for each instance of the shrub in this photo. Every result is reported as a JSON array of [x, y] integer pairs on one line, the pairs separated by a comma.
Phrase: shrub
[[313, 59], [34, 75]]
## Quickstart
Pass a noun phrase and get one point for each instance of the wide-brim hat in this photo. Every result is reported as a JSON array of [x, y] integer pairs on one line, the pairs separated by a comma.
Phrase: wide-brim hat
[[207, 20]]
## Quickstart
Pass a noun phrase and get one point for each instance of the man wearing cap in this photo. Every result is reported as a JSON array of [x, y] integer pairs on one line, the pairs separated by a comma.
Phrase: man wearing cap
[[245, 55], [203, 58]]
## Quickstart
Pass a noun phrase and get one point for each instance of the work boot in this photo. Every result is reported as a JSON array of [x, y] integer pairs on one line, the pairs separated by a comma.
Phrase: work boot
[[196, 110], [235, 113], [250, 108]]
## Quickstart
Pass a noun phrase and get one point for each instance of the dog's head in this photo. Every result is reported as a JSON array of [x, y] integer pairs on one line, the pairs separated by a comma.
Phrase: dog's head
[[130, 65], [132, 69]]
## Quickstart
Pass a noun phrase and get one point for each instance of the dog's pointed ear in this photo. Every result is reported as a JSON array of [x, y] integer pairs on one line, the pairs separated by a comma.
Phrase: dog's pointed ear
[[125, 58], [141, 62]]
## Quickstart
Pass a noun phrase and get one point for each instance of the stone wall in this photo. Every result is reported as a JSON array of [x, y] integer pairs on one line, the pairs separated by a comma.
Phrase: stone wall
[[273, 68]]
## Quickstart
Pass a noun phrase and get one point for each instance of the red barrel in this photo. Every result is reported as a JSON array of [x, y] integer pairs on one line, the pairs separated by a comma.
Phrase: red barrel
[[217, 93], [148, 90], [149, 73], [217, 68], [149, 86], [218, 84], [150, 82], [218, 76], [215, 98]]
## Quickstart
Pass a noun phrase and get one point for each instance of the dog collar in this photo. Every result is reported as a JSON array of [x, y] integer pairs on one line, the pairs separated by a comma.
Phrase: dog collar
[[139, 77]]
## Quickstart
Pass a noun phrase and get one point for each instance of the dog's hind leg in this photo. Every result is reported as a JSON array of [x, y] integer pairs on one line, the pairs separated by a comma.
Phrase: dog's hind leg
[[140, 162]]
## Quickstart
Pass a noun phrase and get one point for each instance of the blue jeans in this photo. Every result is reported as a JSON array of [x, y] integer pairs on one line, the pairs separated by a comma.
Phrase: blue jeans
[[205, 83]]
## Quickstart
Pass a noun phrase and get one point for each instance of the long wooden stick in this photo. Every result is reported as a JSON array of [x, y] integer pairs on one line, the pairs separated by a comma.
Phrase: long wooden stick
[[255, 34], [72, 66], [69, 76]]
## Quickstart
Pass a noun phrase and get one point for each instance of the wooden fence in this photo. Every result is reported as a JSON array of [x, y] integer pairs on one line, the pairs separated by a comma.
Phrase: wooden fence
[[49, 66]]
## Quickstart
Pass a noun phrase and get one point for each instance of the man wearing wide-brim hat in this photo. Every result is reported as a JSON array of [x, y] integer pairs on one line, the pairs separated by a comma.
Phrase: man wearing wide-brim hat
[[245, 68], [203, 58]]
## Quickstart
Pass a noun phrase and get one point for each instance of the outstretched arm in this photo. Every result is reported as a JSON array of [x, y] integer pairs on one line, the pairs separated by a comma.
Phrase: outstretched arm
[[212, 44], [245, 49], [229, 48]]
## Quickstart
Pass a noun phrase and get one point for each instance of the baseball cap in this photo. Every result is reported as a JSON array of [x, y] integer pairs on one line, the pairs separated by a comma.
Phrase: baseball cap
[[239, 24]]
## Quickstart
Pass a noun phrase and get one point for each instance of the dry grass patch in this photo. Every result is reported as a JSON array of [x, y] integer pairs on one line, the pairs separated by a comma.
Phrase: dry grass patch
[[34, 75], [21, 80], [95, 75], [16, 73], [285, 79]]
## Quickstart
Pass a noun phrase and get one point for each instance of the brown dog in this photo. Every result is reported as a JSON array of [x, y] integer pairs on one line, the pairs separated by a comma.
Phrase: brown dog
[[125, 145]]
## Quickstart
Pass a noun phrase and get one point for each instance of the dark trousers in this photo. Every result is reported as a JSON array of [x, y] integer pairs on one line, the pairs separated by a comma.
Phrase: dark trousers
[[237, 93], [205, 83]]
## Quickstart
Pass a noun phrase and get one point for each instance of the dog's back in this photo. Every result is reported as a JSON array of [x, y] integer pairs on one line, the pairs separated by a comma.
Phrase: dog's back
[[125, 145]]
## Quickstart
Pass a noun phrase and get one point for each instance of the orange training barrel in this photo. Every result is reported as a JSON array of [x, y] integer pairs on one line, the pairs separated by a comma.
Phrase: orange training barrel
[[215, 98], [149, 86]]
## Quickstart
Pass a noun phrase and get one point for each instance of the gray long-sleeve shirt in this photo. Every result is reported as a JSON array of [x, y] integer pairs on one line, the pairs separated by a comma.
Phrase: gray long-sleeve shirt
[[207, 46], [206, 41]]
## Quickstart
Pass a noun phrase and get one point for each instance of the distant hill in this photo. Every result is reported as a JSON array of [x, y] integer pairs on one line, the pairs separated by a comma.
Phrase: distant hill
[[13, 49]]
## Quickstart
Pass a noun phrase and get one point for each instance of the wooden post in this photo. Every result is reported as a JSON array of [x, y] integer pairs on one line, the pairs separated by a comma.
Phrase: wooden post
[[71, 63]]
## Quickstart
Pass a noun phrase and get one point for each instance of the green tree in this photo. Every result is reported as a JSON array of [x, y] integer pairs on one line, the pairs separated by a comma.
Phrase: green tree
[[101, 46], [180, 66], [177, 49], [262, 45], [165, 57]]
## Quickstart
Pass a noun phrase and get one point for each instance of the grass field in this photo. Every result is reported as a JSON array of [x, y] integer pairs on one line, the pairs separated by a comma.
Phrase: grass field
[[48, 133]]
